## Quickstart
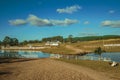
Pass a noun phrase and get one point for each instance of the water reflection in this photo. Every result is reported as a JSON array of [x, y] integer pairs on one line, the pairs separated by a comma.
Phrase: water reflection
[[114, 56], [9, 54], [37, 54], [22, 54]]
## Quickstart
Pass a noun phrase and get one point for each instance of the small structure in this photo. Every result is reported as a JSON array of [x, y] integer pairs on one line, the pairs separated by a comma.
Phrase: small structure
[[48, 43], [113, 64]]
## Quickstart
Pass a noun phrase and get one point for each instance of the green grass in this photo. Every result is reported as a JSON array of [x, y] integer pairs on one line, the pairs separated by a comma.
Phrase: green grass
[[113, 72]]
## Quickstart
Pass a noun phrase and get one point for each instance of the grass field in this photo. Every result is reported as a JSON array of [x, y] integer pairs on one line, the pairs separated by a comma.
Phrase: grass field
[[85, 46], [58, 50], [88, 46], [92, 45]]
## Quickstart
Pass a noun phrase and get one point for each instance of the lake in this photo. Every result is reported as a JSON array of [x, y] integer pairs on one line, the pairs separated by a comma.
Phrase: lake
[[23, 54], [113, 56]]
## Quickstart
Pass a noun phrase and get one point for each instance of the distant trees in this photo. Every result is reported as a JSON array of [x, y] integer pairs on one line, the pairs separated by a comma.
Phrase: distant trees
[[90, 38], [70, 38], [14, 42], [0, 42], [25, 42], [7, 41], [55, 38], [34, 41]]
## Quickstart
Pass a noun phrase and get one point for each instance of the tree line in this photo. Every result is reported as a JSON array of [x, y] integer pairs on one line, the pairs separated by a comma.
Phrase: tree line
[[91, 38], [8, 41], [54, 38]]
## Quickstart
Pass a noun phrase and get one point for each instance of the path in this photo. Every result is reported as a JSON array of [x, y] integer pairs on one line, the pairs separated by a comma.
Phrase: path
[[48, 69], [75, 49]]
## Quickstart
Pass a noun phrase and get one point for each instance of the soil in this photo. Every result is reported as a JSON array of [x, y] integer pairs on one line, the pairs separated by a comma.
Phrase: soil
[[47, 69]]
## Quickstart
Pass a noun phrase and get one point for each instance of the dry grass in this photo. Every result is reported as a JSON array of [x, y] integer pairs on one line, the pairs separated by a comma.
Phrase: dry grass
[[92, 45], [100, 66], [58, 50], [89, 46]]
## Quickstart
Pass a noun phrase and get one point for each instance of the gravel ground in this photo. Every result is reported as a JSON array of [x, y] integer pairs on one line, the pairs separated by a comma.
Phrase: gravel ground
[[47, 69]]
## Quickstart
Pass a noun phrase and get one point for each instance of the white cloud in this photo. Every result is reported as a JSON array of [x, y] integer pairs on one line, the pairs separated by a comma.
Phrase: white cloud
[[18, 22], [111, 11], [86, 22], [111, 23], [64, 22], [36, 21], [70, 9]]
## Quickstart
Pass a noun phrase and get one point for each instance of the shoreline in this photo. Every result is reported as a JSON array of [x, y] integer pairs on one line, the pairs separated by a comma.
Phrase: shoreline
[[43, 51], [52, 52]]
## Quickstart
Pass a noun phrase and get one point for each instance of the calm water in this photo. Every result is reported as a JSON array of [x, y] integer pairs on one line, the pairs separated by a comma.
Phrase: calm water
[[23, 54], [114, 56]]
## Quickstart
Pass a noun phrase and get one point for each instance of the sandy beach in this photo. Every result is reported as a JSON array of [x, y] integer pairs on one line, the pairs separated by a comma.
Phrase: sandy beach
[[47, 69]]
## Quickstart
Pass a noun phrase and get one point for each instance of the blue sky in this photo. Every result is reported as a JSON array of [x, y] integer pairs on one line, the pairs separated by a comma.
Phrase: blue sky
[[36, 19]]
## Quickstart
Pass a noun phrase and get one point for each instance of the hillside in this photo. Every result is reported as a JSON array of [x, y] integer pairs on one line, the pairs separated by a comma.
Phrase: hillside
[[92, 45]]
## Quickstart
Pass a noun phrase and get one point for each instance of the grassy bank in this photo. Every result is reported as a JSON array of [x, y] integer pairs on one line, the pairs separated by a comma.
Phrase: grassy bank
[[86, 46], [100, 66], [89, 46], [92, 45], [58, 50]]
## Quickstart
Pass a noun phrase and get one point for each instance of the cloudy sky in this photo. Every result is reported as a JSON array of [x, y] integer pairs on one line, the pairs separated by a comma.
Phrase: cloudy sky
[[36, 19]]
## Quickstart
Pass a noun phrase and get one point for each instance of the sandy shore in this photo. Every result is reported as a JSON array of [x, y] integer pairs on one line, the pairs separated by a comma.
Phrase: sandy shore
[[47, 69]]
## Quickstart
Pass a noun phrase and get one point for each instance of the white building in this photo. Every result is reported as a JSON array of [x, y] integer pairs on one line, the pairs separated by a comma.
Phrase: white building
[[48, 43]]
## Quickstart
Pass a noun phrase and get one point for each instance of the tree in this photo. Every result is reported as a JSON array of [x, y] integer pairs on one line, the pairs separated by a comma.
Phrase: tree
[[14, 42], [7, 41], [99, 51], [57, 38], [70, 38], [36, 41], [0, 43], [33, 41], [25, 42], [54, 38]]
